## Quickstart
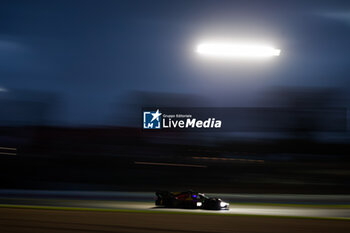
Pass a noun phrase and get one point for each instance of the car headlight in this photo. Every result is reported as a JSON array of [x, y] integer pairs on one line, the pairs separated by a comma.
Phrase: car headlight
[[223, 204], [199, 204]]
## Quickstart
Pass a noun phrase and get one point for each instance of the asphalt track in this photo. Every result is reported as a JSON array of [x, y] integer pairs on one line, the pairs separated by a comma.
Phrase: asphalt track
[[107, 212], [235, 209], [26, 220], [147, 196]]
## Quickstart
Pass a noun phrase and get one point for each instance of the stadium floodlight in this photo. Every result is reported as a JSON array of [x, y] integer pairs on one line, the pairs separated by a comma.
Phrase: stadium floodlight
[[231, 50]]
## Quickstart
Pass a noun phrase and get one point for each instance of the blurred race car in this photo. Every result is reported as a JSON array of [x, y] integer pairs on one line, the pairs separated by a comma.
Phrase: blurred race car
[[190, 200]]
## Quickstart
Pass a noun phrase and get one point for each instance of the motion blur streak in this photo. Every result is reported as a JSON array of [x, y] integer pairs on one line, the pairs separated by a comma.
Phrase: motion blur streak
[[231, 159], [171, 164], [75, 76], [7, 148], [7, 153]]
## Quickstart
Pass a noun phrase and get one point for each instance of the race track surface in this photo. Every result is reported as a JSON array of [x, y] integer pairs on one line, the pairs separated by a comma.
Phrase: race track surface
[[323, 212], [240, 204], [107, 212], [18, 220]]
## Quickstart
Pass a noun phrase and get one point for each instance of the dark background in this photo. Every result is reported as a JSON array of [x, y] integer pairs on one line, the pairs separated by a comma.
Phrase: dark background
[[74, 76]]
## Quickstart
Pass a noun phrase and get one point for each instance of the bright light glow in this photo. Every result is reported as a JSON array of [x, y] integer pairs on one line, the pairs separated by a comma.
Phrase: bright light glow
[[3, 89], [231, 50], [199, 204], [223, 204]]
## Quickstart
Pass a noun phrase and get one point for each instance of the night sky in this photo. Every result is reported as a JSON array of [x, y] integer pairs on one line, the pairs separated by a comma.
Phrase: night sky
[[93, 52]]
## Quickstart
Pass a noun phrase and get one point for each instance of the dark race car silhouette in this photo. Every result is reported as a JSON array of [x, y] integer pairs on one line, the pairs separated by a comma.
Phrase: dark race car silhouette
[[189, 200]]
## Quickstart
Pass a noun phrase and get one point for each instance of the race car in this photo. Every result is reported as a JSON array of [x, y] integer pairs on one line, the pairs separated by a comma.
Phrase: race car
[[189, 200]]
